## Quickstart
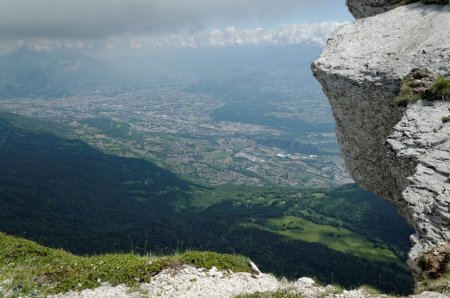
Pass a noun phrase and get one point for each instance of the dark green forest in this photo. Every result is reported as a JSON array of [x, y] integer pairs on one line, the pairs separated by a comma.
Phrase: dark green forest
[[65, 194]]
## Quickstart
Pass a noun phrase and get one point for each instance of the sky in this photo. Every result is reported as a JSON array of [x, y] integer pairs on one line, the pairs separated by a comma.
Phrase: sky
[[139, 24]]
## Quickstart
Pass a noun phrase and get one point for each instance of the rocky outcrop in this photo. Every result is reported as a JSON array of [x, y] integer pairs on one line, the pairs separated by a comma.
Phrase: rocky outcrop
[[422, 136], [400, 153], [367, 8]]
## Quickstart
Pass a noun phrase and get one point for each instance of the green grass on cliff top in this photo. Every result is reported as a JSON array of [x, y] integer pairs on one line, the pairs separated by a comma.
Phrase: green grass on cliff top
[[409, 93], [28, 268]]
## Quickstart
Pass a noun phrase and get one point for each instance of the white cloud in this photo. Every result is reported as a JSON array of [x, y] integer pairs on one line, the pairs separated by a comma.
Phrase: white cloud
[[316, 33], [284, 35], [123, 24]]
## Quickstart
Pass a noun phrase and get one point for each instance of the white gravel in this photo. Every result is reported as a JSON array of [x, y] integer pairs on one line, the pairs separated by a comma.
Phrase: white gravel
[[187, 281], [190, 282]]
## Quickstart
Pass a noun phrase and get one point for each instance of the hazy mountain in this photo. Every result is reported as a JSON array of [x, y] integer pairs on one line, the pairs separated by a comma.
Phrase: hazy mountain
[[212, 68], [49, 74], [213, 60], [238, 70]]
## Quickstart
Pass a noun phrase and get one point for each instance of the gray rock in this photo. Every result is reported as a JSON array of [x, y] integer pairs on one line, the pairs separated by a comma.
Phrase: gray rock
[[367, 8], [402, 154], [306, 281], [421, 135]]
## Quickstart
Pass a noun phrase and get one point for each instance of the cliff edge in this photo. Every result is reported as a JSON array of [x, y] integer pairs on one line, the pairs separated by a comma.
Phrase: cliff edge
[[400, 153]]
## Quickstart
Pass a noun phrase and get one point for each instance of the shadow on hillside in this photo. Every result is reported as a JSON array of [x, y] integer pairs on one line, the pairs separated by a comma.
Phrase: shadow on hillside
[[65, 194]]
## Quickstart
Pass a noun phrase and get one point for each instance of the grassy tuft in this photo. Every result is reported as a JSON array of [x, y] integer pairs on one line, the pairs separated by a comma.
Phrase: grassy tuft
[[221, 261], [422, 84], [435, 275], [441, 88], [440, 285], [31, 268], [407, 94]]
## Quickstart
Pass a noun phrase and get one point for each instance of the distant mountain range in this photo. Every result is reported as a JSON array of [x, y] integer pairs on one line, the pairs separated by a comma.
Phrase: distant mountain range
[[234, 73], [51, 74], [252, 72]]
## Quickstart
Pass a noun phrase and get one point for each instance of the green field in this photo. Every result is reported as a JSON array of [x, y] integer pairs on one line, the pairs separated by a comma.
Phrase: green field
[[339, 239]]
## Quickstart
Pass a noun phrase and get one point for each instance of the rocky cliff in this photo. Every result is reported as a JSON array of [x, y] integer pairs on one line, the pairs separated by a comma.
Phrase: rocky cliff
[[401, 153], [367, 8]]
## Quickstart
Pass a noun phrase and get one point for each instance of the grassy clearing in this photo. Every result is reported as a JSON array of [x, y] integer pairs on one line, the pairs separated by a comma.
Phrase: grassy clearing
[[33, 268], [336, 238]]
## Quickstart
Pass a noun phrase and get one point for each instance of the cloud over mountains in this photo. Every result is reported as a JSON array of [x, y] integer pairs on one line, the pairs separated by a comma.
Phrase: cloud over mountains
[[284, 35], [103, 23]]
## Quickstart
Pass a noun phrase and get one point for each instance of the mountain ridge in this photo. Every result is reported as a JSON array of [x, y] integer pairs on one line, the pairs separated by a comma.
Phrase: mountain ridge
[[56, 73]]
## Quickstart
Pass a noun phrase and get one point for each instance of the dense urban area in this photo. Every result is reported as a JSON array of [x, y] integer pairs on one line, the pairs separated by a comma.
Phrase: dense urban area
[[177, 130]]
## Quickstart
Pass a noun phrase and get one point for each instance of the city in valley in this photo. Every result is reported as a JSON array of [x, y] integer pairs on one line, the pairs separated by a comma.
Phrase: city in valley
[[177, 129]]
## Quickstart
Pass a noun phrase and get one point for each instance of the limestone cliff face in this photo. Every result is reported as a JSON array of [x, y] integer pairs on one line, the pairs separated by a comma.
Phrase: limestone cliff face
[[400, 153]]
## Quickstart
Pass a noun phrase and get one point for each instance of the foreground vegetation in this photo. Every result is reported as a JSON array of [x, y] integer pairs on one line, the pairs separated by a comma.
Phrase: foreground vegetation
[[30, 268], [435, 270], [422, 84], [440, 285], [27, 268]]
